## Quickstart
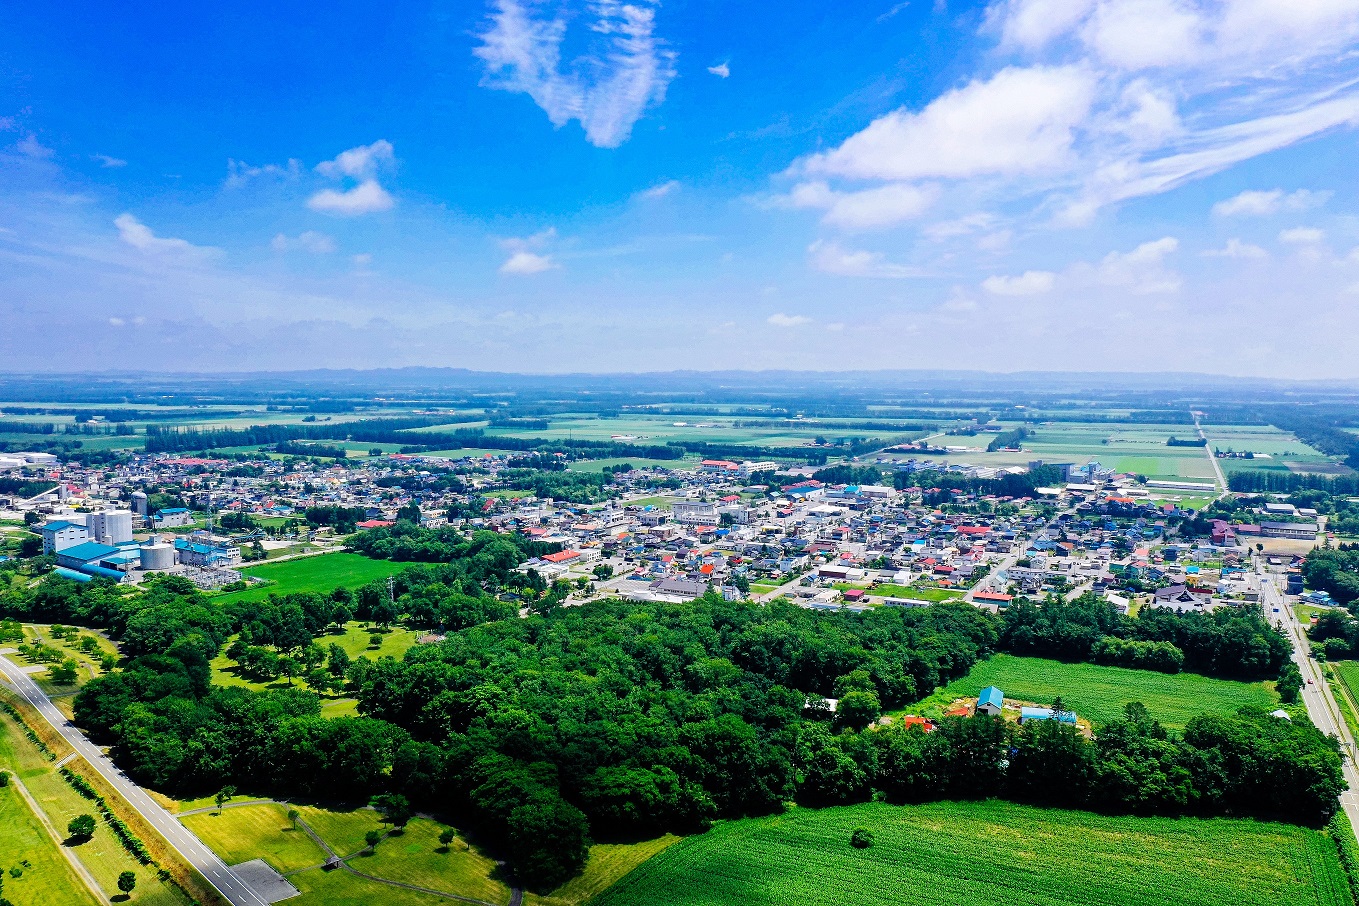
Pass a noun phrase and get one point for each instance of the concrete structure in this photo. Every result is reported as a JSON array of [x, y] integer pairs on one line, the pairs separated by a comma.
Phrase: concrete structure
[[59, 535], [174, 517], [1297, 531], [110, 526], [140, 504], [694, 513], [157, 557]]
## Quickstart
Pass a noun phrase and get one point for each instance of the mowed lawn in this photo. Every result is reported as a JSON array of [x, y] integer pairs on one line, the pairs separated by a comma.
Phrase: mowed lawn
[[994, 853], [322, 573], [1099, 693], [47, 878]]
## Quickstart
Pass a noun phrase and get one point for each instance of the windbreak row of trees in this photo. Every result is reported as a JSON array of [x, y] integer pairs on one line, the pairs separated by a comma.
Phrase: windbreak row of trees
[[1247, 764]]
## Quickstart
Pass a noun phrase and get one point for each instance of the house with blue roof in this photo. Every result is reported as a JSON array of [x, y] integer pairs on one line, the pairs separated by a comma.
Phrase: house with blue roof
[[990, 701]]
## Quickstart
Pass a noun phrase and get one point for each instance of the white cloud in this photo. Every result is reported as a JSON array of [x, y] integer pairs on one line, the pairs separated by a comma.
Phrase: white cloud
[[1302, 236], [138, 235], [109, 162], [527, 263], [962, 226], [309, 241], [239, 172], [365, 198], [626, 70], [1235, 248], [1137, 34], [782, 320], [1142, 270], [117, 322], [525, 257], [832, 258], [721, 70], [1019, 121], [660, 190], [359, 163], [29, 146], [863, 210], [1261, 203], [1029, 283], [1033, 24]]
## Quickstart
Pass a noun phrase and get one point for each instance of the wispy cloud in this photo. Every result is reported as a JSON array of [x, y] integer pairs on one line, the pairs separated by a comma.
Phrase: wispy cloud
[[29, 146], [527, 254], [625, 70], [832, 258], [721, 70], [783, 320], [1263, 203], [1235, 248], [660, 190], [308, 241], [108, 162], [239, 173], [139, 236], [1029, 283]]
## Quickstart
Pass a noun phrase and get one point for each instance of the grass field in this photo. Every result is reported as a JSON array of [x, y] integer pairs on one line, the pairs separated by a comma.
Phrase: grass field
[[887, 590], [608, 863], [322, 573], [354, 641], [102, 855], [597, 465], [994, 853], [45, 877], [247, 832], [1099, 693]]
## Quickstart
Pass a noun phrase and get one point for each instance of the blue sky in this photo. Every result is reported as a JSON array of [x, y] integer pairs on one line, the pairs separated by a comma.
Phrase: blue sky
[[602, 186]]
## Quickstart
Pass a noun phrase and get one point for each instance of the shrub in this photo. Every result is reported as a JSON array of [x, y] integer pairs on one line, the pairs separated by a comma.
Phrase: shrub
[[861, 838]]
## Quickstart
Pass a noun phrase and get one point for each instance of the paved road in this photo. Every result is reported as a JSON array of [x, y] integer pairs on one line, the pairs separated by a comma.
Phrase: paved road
[[1316, 694], [1217, 466], [184, 841]]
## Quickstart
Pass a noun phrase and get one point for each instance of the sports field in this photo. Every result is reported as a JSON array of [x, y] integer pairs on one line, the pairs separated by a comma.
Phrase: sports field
[[323, 573], [994, 853], [1098, 694]]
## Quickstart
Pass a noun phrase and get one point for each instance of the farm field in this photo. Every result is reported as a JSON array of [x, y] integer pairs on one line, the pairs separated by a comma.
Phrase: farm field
[[1099, 693], [659, 429], [322, 573], [637, 462], [992, 852], [608, 862]]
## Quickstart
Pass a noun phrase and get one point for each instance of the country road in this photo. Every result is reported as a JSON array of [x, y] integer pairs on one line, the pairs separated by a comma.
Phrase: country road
[[1316, 692], [183, 840]]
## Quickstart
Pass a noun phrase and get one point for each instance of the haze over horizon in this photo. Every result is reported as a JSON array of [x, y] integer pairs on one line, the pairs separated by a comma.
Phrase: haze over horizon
[[1020, 185]]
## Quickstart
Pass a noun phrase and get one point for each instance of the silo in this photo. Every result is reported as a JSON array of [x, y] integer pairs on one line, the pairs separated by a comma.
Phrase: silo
[[158, 556], [139, 503]]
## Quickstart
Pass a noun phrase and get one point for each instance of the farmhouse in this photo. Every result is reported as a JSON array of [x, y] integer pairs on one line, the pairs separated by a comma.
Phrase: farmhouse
[[990, 701]]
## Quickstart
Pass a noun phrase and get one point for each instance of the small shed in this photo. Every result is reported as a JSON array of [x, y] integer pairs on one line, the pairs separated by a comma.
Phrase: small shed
[[990, 701]]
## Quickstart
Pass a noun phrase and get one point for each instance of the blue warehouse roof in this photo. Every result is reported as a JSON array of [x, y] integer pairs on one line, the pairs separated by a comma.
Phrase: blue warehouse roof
[[991, 696]]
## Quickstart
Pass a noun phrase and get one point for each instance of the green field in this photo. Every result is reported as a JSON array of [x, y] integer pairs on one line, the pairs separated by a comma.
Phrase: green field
[[887, 590], [44, 877], [1099, 693], [323, 573], [637, 462], [355, 642], [993, 853]]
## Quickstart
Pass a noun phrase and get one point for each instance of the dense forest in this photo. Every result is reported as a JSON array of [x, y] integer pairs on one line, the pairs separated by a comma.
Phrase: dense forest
[[615, 721]]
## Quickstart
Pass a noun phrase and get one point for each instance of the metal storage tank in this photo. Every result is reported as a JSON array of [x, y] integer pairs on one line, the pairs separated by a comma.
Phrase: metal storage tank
[[158, 556], [139, 503]]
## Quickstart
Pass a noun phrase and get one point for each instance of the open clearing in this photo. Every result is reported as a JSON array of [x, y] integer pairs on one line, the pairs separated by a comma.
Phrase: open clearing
[[994, 852], [1099, 693], [322, 573], [47, 877]]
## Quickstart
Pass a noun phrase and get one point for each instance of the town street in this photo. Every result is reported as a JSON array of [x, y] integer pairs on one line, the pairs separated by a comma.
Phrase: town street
[[183, 840]]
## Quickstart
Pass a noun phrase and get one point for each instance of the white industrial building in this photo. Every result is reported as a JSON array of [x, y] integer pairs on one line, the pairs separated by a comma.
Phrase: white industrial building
[[110, 526]]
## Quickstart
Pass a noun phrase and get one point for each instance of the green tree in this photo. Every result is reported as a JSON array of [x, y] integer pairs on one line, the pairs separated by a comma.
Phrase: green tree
[[1290, 683], [373, 838], [293, 815], [447, 836], [223, 797], [81, 827], [127, 882], [63, 674], [861, 838]]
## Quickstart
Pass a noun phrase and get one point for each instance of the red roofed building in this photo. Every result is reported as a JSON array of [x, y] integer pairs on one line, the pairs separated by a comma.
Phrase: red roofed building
[[374, 523], [915, 720], [561, 556]]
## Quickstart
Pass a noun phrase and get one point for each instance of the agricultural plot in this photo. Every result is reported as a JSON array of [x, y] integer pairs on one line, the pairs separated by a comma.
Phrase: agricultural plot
[[323, 573], [607, 864], [1276, 450], [993, 852], [1099, 693]]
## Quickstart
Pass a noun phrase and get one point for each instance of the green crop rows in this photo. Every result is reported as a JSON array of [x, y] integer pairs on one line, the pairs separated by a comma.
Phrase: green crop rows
[[993, 853]]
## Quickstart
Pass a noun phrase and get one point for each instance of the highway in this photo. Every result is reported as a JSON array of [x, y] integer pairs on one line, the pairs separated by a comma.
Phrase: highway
[[185, 842], [1316, 693]]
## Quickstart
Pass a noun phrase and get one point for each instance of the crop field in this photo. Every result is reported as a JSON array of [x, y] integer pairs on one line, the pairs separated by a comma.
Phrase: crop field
[[659, 429], [1099, 693], [637, 462], [323, 573], [996, 853], [608, 862], [1140, 449]]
